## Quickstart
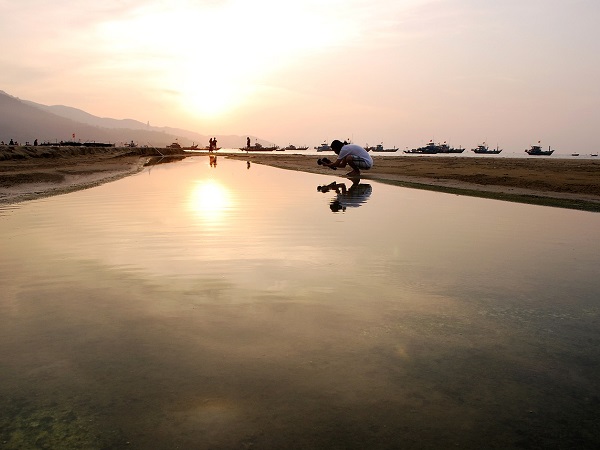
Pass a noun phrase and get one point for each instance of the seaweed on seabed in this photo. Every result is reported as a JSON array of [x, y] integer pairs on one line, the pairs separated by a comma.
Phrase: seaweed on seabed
[[24, 425]]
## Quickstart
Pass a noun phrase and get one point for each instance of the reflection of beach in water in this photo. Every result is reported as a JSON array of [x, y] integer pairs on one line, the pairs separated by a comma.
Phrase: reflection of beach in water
[[352, 197]]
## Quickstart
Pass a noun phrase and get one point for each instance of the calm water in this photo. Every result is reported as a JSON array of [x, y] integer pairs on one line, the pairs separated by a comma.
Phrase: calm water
[[193, 307]]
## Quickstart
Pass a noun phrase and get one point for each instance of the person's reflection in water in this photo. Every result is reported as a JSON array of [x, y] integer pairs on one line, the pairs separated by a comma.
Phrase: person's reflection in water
[[351, 197], [213, 161], [248, 164]]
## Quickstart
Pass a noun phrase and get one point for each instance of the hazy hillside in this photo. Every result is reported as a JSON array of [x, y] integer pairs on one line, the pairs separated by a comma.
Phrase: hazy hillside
[[23, 121], [78, 115]]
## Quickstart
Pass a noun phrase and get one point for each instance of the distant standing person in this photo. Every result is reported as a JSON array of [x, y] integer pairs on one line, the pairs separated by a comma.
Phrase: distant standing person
[[248, 142], [352, 155], [210, 145], [214, 143]]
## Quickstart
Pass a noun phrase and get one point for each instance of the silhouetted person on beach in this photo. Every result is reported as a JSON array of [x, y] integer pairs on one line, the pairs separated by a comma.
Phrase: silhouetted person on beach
[[214, 143], [353, 197], [248, 142], [352, 155], [11, 142]]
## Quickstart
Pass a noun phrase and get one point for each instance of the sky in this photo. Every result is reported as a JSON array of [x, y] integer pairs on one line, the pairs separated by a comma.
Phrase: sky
[[398, 72]]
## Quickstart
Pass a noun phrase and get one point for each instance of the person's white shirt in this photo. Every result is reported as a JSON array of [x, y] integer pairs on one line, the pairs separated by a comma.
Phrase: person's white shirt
[[355, 150]]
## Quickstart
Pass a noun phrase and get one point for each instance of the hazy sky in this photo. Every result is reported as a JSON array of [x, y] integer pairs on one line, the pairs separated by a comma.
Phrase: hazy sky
[[401, 72]]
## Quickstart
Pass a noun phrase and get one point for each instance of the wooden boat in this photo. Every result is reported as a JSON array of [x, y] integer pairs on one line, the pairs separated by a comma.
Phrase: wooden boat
[[205, 148], [259, 148], [293, 147]]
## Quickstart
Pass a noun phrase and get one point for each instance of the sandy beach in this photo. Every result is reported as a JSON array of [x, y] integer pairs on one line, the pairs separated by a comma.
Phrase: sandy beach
[[555, 182], [27, 173], [32, 172]]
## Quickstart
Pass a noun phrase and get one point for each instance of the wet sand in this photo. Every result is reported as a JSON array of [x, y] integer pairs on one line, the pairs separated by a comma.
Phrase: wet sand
[[32, 172], [27, 173]]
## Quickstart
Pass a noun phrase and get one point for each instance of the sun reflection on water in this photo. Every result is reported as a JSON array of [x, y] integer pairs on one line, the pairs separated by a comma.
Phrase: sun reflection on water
[[210, 201]]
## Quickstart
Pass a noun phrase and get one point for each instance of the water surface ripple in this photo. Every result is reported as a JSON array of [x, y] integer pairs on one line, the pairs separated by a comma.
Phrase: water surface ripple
[[227, 306]]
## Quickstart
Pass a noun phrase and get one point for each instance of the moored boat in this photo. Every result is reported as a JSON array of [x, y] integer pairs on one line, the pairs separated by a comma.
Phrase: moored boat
[[432, 148], [484, 150], [293, 147], [205, 148], [379, 148], [259, 148], [537, 150], [324, 147], [445, 148]]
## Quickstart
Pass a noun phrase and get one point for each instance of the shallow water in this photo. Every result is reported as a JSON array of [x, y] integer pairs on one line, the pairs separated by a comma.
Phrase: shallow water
[[193, 306]]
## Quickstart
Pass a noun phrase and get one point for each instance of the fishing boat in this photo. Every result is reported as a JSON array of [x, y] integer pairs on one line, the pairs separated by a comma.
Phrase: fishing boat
[[173, 145], [379, 148], [324, 147], [259, 148], [537, 150], [484, 150], [445, 148], [430, 149], [205, 148], [293, 147]]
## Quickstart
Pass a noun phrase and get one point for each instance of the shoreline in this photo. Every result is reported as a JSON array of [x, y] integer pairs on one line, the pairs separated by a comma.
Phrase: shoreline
[[560, 183], [28, 173]]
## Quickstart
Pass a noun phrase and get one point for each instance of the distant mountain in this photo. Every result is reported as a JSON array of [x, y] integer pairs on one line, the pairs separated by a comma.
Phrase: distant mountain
[[78, 115], [25, 121]]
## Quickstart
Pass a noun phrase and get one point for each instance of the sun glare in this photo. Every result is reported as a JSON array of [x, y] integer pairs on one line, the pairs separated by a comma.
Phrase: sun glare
[[213, 58]]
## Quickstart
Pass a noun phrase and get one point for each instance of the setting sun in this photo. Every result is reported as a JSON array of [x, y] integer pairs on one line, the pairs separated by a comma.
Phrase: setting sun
[[211, 60]]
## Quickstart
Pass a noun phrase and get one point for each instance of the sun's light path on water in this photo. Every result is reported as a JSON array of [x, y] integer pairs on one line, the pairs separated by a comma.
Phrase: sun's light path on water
[[210, 201]]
